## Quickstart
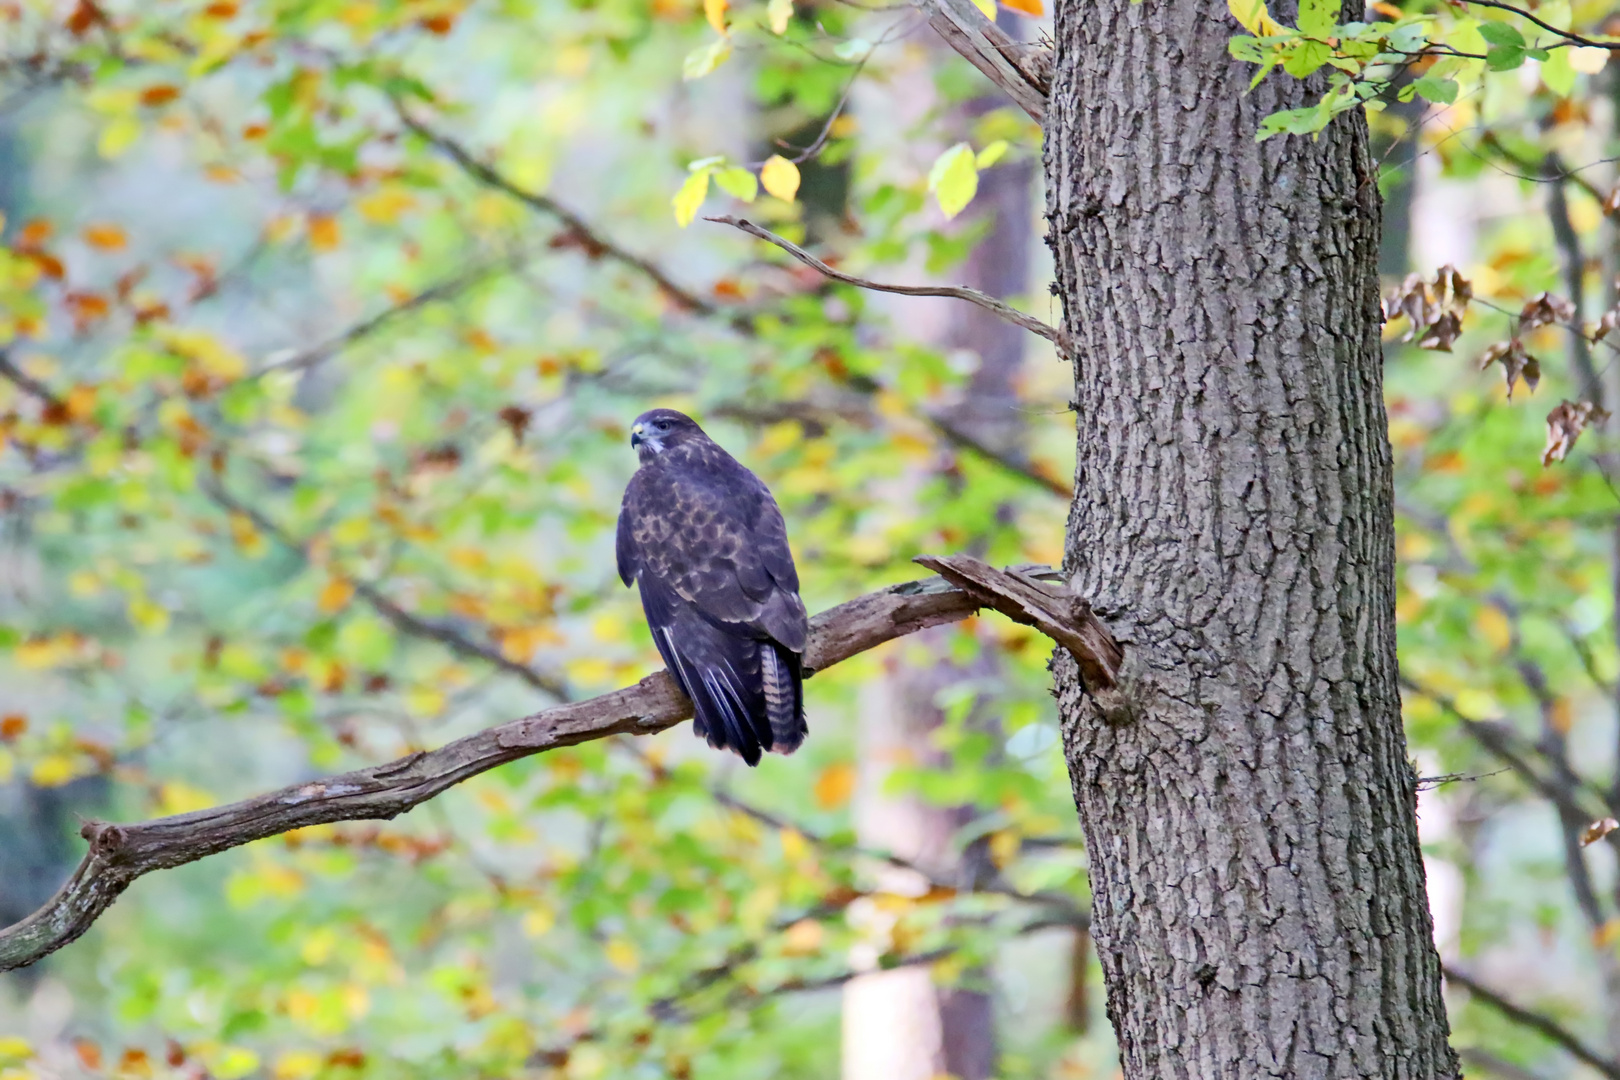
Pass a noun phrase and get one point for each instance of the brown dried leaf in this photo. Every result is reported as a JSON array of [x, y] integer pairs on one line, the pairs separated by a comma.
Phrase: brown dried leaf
[[1454, 289], [1608, 324], [1545, 309], [1516, 364], [1442, 334], [1565, 424], [1598, 830]]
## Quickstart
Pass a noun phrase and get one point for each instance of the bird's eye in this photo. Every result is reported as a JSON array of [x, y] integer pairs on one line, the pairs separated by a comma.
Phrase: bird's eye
[[662, 425]]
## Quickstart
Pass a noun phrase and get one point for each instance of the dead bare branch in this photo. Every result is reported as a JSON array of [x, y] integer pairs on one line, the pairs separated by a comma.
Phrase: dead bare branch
[[1022, 71]]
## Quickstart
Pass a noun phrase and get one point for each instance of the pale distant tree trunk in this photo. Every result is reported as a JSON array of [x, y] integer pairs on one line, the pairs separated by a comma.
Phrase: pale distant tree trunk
[[1258, 893], [898, 1025]]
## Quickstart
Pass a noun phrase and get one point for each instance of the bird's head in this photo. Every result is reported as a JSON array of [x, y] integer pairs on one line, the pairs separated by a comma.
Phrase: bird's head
[[658, 430]]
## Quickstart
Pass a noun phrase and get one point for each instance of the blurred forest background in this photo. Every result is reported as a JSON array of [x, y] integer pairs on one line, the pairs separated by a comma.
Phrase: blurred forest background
[[321, 326]]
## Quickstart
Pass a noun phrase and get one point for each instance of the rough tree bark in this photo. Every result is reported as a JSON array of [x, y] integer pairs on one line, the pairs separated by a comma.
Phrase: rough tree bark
[[1259, 905]]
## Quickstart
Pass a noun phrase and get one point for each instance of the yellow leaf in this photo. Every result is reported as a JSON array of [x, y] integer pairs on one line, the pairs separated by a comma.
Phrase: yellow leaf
[[780, 13], [1494, 627], [835, 785], [334, 595], [715, 12], [233, 1062], [1254, 17], [386, 205], [297, 1065], [81, 402], [622, 955], [794, 845], [1004, 847], [803, 938], [690, 197], [324, 234], [1477, 705], [987, 8], [53, 770], [148, 615], [780, 177], [14, 1049], [247, 536], [538, 922], [954, 179], [177, 798], [119, 135]]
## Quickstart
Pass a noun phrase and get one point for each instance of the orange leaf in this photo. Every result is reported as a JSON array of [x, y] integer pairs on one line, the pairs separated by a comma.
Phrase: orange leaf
[[335, 595], [1028, 7], [35, 233], [48, 264], [160, 94], [324, 234], [105, 237], [223, 9], [12, 725], [835, 785], [437, 24], [84, 16], [89, 1053], [715, 12]]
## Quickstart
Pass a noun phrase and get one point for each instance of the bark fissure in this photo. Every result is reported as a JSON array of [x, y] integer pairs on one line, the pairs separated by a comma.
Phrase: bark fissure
[[1259, 897]]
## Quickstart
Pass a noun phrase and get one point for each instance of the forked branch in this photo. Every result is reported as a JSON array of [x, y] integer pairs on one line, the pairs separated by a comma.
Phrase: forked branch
[[121, 853]]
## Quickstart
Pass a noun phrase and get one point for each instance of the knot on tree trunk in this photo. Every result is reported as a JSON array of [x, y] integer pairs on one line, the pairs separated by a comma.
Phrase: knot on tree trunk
[[1055, 611]]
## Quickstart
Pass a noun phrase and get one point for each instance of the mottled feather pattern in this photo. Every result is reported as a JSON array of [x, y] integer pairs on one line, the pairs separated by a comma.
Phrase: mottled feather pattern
[[706, 544]]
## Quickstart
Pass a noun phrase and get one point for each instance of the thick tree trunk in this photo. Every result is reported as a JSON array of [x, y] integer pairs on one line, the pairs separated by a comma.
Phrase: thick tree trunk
[[1259, 898]]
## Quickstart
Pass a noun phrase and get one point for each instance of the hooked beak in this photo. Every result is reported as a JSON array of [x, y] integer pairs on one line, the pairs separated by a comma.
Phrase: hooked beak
[[635, 437]]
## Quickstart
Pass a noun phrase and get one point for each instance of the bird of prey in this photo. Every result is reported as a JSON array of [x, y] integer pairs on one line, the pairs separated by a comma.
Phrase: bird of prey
[[705, 542]]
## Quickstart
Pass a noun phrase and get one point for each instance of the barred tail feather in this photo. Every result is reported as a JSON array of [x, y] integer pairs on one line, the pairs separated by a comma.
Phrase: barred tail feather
[[784, 697]]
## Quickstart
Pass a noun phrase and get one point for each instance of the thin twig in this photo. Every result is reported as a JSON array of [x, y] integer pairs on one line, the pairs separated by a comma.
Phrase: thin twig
[[444, 290], [590, 240], [1538, 1022], [1017, 464], [959, 292], [404, 621]]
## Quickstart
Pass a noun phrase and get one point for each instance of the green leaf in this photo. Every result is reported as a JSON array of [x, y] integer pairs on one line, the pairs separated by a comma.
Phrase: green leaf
[[704, 59], [1439, 91], [1309, 56], [954, 179], [991, 154], [1500, 33], [1318, 18], [691, 196], [1504, 57], [738, 182]]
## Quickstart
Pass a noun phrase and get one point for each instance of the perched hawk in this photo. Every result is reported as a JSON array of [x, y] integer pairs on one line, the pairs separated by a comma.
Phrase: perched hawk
[[704, 540]]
